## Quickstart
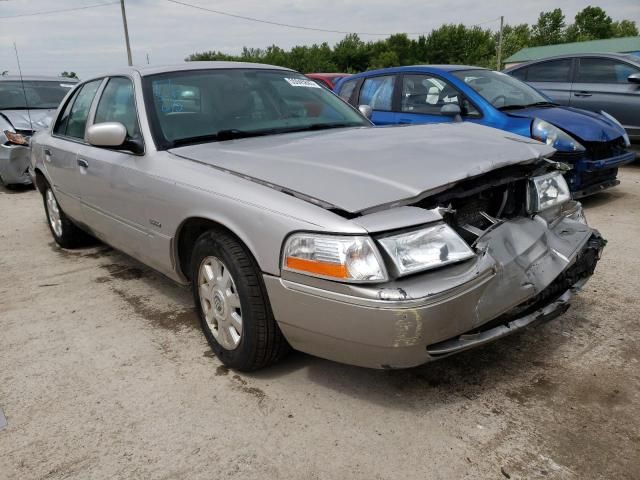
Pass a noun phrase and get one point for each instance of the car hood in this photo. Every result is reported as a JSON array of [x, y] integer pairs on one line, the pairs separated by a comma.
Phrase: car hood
[[356, 169], [584, 125], [33, 119]]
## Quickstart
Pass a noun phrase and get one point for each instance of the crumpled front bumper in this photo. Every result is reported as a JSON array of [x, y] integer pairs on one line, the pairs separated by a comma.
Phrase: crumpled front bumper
[[591, 176], [14, 164], [525, 272]]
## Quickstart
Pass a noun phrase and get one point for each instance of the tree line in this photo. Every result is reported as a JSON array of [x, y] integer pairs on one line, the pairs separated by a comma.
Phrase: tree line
[[451, 43]]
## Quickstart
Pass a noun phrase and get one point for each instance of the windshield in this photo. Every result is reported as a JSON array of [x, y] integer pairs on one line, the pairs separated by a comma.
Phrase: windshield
[[501, 90], [219, 104], [36, 94]]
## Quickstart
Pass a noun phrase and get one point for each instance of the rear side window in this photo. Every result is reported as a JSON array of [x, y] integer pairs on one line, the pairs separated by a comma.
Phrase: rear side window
[[76, 120], [603, 70], [377, 92], [117, 104], [553, 71], [346, 90]]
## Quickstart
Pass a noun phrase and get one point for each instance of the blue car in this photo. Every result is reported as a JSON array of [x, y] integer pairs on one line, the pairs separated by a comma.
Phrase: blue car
[[593, 144]]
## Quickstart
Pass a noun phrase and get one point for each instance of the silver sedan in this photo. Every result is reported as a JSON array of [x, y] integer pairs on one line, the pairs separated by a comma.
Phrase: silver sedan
[[299, 224]]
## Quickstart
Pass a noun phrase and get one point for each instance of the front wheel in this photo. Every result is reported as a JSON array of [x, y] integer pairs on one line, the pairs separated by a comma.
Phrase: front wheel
[[231, 299], [64, 231]]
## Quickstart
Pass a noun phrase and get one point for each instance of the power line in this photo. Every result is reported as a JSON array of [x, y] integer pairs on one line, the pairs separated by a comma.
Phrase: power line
[[278, 24], [51, 12]]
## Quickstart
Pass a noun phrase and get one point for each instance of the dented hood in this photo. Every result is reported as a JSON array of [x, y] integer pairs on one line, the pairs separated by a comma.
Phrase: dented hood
[[356, 169]]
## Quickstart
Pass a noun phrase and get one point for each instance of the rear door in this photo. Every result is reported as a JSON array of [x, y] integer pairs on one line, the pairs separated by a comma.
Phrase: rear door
[[552, 77], [601, 84], [63, 146], [379, 93]]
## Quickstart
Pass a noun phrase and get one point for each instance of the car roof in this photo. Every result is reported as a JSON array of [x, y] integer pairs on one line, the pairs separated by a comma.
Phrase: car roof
[[146, 70], [37, 78], [327, 75], [420, 68], [618, 56]]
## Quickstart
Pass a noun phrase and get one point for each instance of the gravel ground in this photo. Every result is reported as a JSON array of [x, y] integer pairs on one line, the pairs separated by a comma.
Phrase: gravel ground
[[104, 374]]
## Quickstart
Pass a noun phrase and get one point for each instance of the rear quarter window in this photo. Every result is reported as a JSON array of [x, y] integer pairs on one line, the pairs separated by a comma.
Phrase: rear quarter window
[[346, 90]]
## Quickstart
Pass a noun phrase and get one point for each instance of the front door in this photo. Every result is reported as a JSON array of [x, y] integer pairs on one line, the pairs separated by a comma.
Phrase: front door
[[113, 200], [601, 84]]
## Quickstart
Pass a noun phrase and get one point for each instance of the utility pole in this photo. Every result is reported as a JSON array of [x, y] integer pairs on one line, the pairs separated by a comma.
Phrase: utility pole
[[126, 31], [499, 62]]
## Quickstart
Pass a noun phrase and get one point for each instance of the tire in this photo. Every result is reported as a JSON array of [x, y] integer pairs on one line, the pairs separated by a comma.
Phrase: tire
[[64, 231], [229, 293]]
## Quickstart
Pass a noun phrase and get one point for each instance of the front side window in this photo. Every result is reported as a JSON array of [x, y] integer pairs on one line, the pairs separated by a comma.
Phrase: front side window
[[17, 95], [501, 90], [221, 104], [552, 71], [117, 104], [377, 92], [77, 120], [603, 70], [427, 94]]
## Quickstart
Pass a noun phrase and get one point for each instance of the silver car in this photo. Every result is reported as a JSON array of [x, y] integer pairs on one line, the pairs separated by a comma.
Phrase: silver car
[[299, 224], [26, 106]]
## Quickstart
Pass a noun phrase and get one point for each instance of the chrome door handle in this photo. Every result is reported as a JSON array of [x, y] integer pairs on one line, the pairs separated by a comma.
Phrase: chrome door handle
[[582, 94], [83, 163]]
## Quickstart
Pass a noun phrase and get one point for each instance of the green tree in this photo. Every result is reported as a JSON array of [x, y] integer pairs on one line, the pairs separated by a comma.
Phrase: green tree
[[549, 29], [514, 39], [460, 44], [593, 23], [351, 54], [624, 28], [69, 74]]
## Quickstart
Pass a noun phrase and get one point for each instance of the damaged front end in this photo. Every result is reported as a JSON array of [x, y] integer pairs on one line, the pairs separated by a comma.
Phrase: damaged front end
[[531, 249]]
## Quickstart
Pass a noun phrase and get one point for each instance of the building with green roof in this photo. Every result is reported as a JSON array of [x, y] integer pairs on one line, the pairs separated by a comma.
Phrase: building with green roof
[[611, 45]]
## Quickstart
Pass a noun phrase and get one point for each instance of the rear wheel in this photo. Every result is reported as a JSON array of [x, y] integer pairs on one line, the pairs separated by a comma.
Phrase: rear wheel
[[231, 299], [64, 231]]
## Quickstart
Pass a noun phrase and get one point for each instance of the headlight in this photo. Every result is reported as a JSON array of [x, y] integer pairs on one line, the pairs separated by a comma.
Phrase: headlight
[[16, 138], [344, 258], [627, 142], [427, 248], [547, 191], [553, 136]]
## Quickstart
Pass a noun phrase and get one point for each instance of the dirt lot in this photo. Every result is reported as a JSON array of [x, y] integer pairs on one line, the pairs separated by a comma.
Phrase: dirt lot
[[105, 374]]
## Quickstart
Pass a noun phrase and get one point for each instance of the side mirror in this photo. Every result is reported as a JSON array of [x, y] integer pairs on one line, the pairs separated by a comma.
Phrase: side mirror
[[634, 78], [108, 134], [366, 110], [452, 110], [113, 135]]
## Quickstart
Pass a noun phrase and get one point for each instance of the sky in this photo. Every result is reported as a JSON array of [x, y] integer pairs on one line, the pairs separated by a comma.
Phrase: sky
[[91, 41]]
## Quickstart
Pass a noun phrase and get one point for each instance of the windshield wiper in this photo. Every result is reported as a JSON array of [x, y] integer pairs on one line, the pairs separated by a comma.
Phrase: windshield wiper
[[317, 126], [528, 105], [220, 136]]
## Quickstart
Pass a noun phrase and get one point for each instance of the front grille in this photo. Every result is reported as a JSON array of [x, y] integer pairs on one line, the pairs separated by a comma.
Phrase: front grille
[[604, 150]]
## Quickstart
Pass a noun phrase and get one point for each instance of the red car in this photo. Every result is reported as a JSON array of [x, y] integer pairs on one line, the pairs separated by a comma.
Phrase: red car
[[327, 79]]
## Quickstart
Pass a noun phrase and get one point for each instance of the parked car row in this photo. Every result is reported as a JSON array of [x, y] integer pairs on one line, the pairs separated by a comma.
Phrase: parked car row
[[298, 224], [26, 106], [593, 145]]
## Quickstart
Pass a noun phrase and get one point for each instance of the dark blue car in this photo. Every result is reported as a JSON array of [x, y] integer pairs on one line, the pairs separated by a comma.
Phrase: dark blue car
[[594, 144]]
